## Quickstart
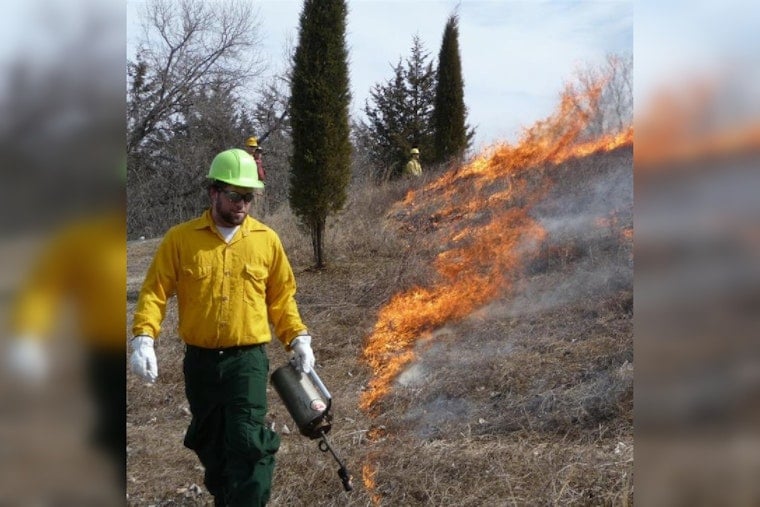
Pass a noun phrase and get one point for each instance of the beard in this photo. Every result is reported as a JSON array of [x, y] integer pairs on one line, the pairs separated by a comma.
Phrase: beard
[[228, 217]]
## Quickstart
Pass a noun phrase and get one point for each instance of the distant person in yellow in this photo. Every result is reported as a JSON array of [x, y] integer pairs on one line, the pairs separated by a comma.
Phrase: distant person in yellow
[[413, 167], [253, 149], [232, 280]]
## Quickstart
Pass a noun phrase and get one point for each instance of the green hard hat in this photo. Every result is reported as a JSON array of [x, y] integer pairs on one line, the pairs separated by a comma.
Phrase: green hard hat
[[235, 167]]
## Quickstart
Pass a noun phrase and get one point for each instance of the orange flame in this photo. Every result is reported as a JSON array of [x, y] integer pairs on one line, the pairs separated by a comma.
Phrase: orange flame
[[368, 478], [478, 259], [484, 234], [471, 276], [697, 120]]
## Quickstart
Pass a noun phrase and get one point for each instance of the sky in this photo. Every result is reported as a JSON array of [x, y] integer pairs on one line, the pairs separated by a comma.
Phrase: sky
[[680, 43], [516, 55]]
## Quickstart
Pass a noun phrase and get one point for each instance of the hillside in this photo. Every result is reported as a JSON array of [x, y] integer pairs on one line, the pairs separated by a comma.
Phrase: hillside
[[475, 330]]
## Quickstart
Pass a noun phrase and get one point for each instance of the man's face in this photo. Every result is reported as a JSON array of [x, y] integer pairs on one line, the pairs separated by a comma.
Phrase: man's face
[[224, 208]]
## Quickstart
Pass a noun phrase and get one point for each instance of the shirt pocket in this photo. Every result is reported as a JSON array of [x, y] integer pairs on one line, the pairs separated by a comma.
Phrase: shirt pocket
[[195, 283], [255, 283]]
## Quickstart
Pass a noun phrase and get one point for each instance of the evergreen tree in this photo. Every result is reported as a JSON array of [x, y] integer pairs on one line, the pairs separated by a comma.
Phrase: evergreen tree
[[385, 124], [400, 114], [421, 83], [452, 135], [319, 118]]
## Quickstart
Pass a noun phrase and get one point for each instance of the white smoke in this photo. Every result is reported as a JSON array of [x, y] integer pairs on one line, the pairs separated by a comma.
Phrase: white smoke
[[452, 379]]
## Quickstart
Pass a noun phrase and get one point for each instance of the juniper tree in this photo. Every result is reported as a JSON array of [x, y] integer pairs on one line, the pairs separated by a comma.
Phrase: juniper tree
[[319, 103], [452, 135], [399, 114]]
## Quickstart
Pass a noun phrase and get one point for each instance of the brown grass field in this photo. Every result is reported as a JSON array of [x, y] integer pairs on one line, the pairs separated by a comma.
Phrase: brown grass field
[[527, 399]]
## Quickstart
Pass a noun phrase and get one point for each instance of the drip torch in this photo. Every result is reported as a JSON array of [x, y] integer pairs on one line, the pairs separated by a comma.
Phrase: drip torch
[[308, 401]]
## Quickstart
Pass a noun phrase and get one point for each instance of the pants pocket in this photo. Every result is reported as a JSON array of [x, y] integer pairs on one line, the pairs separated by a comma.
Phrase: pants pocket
[[247, 435]]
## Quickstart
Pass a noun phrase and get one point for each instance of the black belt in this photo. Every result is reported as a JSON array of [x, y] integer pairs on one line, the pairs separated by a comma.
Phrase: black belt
[[200, 351]]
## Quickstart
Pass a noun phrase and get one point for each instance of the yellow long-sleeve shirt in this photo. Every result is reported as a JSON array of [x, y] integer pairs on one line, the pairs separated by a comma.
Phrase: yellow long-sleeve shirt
[[82, 269], [413, 168], [227, 293]]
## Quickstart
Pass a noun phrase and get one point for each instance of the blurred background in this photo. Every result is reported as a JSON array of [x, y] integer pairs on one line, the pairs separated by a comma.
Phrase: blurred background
[[62, 244], [697, 268]]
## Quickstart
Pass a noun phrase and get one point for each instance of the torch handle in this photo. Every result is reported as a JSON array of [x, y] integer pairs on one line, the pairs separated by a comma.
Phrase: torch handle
[[318, 382]]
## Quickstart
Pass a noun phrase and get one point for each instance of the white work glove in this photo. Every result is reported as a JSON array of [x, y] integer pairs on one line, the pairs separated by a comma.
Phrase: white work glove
[[304, 356], [27, 359], [143, 360]]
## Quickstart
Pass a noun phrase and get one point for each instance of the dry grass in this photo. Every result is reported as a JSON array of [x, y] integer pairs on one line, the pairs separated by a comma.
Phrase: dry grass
[[526, 401]]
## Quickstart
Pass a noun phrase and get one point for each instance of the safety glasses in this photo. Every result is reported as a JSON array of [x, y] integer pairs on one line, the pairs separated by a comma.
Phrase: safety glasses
[[236, 197]]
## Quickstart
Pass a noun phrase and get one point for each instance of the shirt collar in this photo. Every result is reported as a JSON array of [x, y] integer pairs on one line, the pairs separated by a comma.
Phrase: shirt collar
[[249, 224]]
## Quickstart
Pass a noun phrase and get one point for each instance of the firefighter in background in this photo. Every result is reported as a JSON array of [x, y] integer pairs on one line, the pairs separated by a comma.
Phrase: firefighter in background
[[232, 279], [83, 268], [253, 149], [413, 167], [259, 198]]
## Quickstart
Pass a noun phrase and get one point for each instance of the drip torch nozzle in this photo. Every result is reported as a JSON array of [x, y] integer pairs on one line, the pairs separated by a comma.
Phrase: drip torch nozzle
[[345, 477]]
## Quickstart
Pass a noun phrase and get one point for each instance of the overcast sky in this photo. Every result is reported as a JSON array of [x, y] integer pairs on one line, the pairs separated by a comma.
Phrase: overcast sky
[[516, 55]]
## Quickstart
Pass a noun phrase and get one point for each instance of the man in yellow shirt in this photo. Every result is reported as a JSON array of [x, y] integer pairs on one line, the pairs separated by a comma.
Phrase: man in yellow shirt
[[232, 279], [413, 167]]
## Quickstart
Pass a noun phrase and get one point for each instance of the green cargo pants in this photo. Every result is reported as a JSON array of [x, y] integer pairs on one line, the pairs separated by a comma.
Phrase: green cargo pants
[[227, 395]]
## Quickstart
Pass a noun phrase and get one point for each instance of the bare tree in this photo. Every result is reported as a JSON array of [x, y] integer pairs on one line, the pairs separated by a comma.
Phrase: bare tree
[[619, 92], [271, 123], [193, 63], [187, 45], [613, 108]]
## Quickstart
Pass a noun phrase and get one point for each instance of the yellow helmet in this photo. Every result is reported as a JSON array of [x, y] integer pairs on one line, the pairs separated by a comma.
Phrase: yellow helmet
[[235, 167], [252, 142], [414, 151]]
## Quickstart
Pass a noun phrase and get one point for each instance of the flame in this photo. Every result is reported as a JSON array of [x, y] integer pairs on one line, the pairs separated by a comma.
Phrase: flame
[[484, 234], [471, 274], [368, 478], [375, 433], [697, 120], [478, 259]]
